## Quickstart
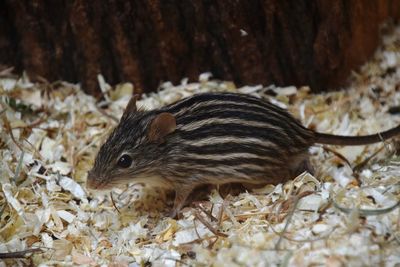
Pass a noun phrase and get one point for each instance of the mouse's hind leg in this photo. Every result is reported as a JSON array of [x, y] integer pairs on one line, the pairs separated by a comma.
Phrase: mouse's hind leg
[[299, 164], [305, 166]]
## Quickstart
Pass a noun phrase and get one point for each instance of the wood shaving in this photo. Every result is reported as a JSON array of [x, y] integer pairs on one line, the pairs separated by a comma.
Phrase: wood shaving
[[49, 138]]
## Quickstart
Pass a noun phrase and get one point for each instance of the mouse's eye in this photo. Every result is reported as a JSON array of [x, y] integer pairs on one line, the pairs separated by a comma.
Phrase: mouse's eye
[[124, 161]]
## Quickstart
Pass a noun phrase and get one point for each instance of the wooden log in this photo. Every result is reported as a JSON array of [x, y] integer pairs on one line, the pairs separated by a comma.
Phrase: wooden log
[[314, 43]]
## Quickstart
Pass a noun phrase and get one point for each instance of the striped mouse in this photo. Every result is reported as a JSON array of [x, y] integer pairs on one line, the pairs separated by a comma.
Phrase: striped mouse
[[210, 138]]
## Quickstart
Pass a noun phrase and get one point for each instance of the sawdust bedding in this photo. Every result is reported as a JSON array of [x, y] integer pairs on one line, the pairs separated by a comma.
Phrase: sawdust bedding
[[346, 214]]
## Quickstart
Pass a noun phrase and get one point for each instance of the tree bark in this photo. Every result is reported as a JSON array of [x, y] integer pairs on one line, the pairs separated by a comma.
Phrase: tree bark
[[314, 43]]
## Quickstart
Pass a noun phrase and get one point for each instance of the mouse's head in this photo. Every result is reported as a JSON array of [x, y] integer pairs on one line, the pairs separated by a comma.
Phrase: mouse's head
[[132, 151]]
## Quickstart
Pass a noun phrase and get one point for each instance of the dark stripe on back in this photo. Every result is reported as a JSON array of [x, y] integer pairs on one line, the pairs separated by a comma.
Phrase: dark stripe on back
[[233, 129]]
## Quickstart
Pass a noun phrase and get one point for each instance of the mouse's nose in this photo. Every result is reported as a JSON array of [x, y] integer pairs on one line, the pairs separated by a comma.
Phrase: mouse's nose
[[96, 181], [92, 182]]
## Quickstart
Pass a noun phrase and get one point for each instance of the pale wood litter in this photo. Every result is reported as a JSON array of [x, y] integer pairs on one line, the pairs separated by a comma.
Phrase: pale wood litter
[[50, 134]]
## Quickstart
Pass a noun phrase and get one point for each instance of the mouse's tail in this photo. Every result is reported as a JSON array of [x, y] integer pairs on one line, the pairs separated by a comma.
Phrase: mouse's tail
[[342, 140]]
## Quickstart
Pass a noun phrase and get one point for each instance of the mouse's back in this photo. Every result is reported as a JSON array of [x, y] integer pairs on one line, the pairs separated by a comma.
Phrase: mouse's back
[[235, 135]]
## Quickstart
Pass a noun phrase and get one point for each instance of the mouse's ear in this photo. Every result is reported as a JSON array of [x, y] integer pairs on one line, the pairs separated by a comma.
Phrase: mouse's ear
[[131, 107], [162, 125]]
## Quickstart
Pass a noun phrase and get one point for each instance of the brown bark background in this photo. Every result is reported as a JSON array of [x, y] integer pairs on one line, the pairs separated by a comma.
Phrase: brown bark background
[[314, 43]]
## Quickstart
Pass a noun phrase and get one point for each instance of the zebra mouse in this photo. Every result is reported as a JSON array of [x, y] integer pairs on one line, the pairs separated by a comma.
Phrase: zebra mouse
[[210, 138]]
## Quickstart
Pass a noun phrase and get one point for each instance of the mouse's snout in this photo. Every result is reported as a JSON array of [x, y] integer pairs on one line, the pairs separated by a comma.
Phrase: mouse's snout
[[91, 181], [95, 181]]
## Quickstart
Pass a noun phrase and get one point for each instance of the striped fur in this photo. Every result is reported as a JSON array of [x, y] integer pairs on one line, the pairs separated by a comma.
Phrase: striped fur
[[219, 138]]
